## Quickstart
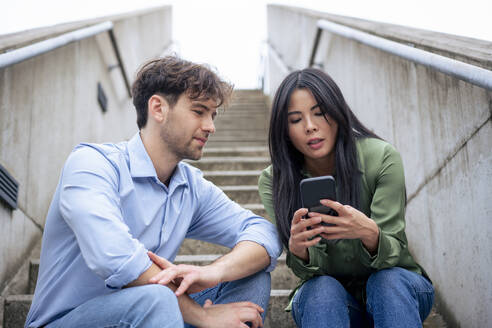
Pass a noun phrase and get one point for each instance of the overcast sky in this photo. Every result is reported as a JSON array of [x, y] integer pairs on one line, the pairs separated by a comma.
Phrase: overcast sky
[[228, 34]]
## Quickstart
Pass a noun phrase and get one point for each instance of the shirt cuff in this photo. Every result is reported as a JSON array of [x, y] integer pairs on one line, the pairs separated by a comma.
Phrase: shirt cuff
[[273, 252], [130, 270], [373, 261], [306, 270]]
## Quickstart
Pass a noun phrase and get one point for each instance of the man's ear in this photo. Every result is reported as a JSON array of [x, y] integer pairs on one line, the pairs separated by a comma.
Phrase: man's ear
[[157, 108]]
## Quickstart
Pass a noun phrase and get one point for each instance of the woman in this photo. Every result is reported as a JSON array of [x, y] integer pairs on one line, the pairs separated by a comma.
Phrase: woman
[[357, 272]]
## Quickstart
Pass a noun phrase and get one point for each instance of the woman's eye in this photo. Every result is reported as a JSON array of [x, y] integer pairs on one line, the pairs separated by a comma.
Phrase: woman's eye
[[295, 121], [199, 112], [319, 113]]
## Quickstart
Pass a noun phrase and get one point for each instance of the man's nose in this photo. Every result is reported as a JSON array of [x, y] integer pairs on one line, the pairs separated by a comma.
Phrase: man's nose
[[209, 126]]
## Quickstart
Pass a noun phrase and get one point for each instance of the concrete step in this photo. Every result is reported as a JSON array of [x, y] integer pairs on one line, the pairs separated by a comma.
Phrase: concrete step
[[245, 140], [198, 247], [237, 117], [240, 134], [236, 151], [245, 109], [231, 163], [242, 194], [236, 143], [247, 95], [230, 178], [276, 316], [241, 122], [16, 308], [258, 209]]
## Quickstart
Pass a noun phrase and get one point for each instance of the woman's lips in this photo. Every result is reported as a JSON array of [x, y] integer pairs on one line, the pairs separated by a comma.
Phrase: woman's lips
[[315, 144]]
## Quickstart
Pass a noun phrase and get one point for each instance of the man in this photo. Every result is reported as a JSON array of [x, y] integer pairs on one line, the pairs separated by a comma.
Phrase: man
[[120, 210]]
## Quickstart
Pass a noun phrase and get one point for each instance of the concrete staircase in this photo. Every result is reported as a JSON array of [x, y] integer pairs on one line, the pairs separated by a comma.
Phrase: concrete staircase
[[233, 160]]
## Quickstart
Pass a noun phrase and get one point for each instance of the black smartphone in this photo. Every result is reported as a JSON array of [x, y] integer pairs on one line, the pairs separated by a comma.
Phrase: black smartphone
[[315, 189]]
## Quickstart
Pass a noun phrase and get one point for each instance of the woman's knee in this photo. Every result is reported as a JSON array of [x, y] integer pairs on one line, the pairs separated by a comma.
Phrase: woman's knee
[[388, 280], [323, 289], [322, 301]]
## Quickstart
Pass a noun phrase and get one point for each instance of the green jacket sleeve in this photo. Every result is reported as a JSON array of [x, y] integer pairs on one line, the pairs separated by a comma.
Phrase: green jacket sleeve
[[316, 253], [387, 209], [265, 190]]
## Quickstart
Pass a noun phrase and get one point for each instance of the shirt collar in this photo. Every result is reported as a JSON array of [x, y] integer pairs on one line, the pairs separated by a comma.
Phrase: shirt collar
[[140, 162], [141, 165]]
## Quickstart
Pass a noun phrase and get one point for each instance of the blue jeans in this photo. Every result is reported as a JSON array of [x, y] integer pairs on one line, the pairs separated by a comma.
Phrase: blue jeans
[[152, 306], [395, 298], [255, 288]]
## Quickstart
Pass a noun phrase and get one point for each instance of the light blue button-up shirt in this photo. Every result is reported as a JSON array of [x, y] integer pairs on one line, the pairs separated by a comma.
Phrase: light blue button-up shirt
[[110, 208]]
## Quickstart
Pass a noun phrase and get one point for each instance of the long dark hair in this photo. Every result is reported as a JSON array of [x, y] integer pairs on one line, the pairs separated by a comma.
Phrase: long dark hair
[[287, 161]]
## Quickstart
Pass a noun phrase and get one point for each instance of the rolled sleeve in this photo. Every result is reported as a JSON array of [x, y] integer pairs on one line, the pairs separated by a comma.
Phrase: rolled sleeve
[[130, 270], [264, 234], [221, 221]]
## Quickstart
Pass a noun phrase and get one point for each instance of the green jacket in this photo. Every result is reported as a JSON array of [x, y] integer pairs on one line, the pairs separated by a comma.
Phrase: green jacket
[[383, 200]]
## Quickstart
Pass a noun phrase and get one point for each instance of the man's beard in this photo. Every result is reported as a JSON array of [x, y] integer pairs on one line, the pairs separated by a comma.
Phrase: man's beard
[[175, 145]]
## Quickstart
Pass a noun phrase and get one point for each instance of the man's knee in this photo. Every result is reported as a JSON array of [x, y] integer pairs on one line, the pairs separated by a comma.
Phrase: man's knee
[[262, 278], [157, 301]]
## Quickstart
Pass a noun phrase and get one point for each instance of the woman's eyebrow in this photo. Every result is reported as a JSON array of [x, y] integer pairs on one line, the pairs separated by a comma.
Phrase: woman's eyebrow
[[314, 107]]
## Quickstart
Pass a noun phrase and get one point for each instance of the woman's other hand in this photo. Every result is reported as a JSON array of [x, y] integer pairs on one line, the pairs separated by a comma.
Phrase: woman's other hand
[[349, 224], [300, 236]]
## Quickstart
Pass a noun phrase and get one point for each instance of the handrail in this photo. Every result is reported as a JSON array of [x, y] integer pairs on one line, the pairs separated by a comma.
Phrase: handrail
[[278, 58], [18, 55], [460, 70]]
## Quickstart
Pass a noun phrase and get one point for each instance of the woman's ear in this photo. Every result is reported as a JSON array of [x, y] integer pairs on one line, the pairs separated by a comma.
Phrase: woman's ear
[[157, 108]]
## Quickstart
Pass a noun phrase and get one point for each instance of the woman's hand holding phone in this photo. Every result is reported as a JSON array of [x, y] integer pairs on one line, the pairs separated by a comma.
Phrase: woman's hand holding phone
[[349, 224], [300, 235]]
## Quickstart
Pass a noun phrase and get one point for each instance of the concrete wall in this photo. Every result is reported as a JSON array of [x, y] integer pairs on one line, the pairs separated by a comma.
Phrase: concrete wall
[[442, 128], [48, 104]]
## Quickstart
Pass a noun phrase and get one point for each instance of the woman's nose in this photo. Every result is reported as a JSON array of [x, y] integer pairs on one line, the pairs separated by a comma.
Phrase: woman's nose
[[310, 127]]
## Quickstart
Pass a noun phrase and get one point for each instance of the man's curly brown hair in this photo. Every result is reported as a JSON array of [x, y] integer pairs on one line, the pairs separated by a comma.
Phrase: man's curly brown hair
[[170, 77]]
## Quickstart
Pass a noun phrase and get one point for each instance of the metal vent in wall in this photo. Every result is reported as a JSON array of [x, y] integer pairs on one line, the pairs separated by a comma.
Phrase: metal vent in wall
[[9, 188]]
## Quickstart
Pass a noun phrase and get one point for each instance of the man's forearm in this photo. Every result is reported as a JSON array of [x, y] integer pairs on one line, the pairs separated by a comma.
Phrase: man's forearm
[[191, 311], [245, 259]]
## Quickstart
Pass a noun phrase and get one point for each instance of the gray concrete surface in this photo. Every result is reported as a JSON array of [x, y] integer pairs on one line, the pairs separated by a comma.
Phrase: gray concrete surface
[[440, 125], [48, 104]]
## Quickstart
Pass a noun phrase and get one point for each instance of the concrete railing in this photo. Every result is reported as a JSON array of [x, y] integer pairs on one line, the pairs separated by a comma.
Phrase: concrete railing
[[442, 127], [49, 103]]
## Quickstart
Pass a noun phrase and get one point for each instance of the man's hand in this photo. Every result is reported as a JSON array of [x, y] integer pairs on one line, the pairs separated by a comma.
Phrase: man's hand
[[232, 315], [188, 278]]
